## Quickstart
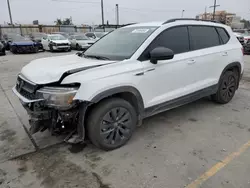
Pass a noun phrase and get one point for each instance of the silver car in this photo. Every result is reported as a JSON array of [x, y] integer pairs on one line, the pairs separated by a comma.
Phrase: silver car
[[96, 35], [80, 42]]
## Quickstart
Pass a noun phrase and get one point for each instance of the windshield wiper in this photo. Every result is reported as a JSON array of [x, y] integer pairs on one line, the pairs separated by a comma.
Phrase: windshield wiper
[[96, 57]]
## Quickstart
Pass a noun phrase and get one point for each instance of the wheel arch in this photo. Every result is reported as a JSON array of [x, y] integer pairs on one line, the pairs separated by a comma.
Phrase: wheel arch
[[234, 66], [128, 93]]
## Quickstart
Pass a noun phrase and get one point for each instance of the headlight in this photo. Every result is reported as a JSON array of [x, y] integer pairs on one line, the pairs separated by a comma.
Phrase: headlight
[[61, 97]]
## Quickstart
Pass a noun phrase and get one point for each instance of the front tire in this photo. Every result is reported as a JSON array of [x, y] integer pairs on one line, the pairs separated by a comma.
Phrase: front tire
[[227, 87], [111, 123], [78, 47], [51, 49]]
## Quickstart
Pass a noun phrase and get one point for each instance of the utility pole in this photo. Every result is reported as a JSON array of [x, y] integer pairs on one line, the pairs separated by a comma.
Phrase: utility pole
[[117, 14], [8, 2], [102, 12], [205, 13], [215, 5], [182, 12]]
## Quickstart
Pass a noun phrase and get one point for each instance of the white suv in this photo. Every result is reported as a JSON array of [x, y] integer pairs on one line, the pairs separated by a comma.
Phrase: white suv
[[132, 73]]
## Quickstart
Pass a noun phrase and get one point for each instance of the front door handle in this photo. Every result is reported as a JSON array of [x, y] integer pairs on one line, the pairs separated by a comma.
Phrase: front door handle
[[191, 62]]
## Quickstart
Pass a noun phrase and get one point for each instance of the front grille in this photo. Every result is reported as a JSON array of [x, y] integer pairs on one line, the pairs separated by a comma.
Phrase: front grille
[[26, 89], [27, 95], [25, 48], [62, 44]]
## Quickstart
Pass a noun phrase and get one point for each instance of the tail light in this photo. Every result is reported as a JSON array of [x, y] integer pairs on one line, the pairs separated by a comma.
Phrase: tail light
[[242, 49]]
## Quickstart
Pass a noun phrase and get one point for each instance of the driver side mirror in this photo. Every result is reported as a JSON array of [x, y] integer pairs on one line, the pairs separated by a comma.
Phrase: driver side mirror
[[161, 53]]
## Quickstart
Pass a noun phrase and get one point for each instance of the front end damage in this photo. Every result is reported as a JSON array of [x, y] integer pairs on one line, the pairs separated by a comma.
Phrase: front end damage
[[53, 107]]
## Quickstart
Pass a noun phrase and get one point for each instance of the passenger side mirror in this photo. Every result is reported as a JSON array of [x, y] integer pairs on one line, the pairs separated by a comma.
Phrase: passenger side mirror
[[160, 53]]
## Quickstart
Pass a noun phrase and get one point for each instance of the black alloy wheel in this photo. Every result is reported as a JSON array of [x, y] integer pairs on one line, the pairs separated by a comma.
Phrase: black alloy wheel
[[227, 88], [115, 126], [111, 123]]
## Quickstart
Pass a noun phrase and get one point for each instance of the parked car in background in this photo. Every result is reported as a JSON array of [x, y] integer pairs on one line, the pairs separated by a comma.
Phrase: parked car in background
[[21, 44], [66, 35], [2, 49], [37, 37], [56, 42], [7, 39], [80, 42], [95, 35], [240, 37], [246, 34]]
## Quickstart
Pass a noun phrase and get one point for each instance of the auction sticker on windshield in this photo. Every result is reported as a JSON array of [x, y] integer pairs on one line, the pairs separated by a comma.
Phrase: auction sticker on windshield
[[140, 31]]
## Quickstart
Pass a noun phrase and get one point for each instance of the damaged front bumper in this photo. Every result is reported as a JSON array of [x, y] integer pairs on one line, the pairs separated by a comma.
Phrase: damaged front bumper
[[46, 112]]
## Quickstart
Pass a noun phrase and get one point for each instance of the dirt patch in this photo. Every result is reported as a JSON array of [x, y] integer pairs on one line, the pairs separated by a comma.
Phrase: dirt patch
[[52, 169], [7, 135]]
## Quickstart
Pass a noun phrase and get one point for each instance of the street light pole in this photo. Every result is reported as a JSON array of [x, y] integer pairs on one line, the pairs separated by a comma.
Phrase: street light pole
[[117, 14], [8, 2], [182, 12], [102, 12]]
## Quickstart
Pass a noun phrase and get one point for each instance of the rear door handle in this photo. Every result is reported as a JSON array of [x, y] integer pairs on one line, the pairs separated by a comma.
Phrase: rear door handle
[[192, 61]]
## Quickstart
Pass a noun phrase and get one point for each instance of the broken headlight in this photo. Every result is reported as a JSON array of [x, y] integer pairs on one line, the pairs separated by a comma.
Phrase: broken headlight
[[59, 97]]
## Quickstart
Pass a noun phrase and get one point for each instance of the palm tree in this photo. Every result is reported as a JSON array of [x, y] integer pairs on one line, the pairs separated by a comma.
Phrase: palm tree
[[58, 21]]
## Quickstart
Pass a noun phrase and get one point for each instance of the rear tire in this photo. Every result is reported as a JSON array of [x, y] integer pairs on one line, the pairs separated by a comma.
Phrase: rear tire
[[227, 87], [111, 123]]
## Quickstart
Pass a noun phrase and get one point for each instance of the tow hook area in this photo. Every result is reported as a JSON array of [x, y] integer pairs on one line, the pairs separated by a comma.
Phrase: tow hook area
[[77, 136]]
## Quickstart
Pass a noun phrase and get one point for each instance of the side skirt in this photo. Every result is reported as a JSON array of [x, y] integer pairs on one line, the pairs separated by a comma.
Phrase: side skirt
[[180, 101]]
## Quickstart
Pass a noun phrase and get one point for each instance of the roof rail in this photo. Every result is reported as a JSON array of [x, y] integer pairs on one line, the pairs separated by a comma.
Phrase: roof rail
[[193, 19]]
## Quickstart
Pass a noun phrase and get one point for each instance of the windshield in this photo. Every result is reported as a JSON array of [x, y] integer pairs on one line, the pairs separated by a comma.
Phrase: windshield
[[57, 37], [18, 38], [81, 37], [120, 44], [38, 35]]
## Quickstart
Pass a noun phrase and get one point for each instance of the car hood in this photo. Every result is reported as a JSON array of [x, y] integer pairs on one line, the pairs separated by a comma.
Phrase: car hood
[[60, 41], [51, 69]]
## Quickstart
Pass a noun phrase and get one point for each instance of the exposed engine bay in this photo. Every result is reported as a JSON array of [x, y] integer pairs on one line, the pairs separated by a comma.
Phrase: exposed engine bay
[[53, 108]]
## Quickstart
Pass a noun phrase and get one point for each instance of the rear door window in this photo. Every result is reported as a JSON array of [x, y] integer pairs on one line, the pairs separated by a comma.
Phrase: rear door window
[[223, 35], [203, 37]]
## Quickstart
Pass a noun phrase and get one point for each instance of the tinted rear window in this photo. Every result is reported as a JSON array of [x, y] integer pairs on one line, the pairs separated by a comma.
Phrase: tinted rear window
[[223, 34], [203, 37]]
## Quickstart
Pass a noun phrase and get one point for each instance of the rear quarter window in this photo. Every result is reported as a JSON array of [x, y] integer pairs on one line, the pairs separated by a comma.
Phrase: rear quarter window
[[223, 35], [203, 37]]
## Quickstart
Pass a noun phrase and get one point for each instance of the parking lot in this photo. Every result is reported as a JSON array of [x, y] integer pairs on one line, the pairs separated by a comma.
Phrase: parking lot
[[201, 144]]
